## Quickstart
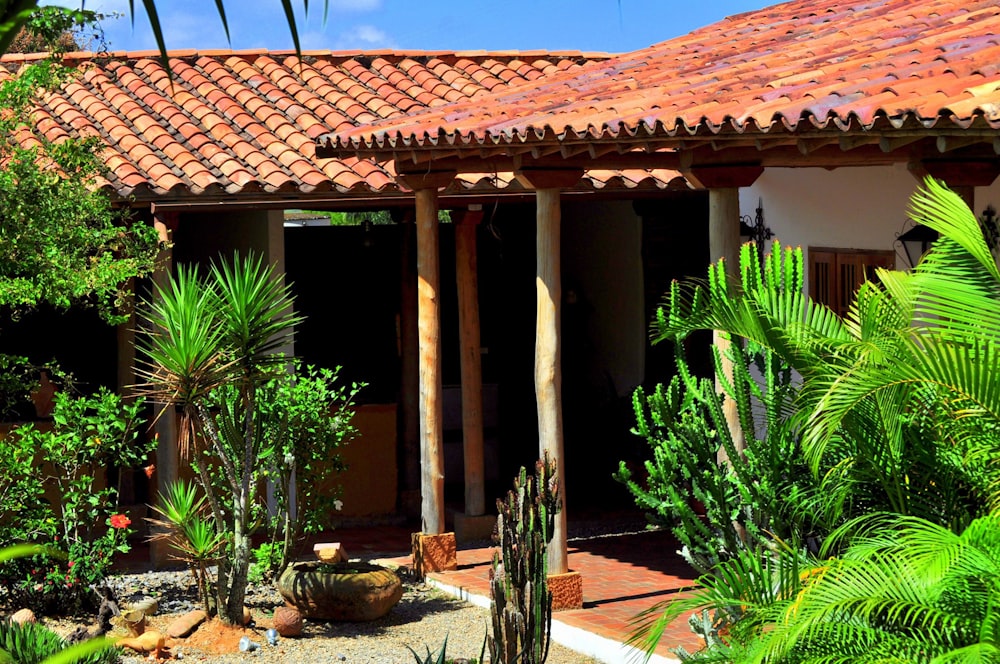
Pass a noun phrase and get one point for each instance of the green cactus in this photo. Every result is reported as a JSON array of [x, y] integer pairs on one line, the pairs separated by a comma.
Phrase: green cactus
[[521, 600]]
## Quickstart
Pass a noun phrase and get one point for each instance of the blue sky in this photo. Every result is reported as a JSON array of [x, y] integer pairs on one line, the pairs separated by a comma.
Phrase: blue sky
[[587, 25]]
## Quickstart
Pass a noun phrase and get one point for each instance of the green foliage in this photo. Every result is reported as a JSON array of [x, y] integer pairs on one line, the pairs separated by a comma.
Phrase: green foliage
[[186, 525], [214, 352], [31, 643], [16, 14], [61, 241], [521, 605], [59, 29], [303, 417], [897, 415], [717, 499], [88, 435], [907, 590]]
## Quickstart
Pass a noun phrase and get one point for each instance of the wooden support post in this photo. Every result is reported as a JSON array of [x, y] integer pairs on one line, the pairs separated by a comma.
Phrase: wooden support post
[[724, 242], [429, 326], [471, 360], [548, 368], [426, 185], [723, 182]]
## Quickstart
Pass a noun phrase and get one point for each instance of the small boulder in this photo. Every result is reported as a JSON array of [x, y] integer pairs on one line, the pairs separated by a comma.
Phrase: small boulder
[[151, 642], [287, 621], [186, 624], [330, 552], [23, 616]]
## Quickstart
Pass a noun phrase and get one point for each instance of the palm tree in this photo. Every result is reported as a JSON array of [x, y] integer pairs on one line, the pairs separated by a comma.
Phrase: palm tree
[[899, 415], [15, 13]]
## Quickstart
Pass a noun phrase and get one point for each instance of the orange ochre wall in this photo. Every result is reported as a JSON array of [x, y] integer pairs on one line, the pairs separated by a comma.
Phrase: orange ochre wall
[[369, 483]]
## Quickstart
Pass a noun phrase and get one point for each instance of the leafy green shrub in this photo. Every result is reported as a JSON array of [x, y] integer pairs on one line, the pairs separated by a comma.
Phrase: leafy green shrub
[[898, 419], [88, 435], [31, 643]]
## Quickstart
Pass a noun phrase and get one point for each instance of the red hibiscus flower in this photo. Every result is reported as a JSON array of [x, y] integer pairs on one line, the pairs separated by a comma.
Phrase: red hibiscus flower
[[120, 521]]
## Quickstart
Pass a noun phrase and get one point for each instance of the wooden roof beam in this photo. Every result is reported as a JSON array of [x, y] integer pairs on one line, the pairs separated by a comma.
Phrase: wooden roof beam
[[951, 143]]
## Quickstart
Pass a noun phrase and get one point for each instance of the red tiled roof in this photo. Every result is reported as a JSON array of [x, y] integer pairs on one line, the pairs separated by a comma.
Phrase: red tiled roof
[[800, 66], [246, 123]]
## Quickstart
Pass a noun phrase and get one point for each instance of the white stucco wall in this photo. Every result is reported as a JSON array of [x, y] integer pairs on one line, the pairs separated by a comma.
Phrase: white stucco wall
[[847, 208]]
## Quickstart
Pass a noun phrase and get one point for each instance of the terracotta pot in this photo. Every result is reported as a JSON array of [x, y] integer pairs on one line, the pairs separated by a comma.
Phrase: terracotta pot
[[343, 591]]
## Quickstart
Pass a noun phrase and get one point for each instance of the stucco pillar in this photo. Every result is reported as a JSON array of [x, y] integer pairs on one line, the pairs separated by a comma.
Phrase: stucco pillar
[[472, 374], [409, 363], [723, 183], [165, 428]]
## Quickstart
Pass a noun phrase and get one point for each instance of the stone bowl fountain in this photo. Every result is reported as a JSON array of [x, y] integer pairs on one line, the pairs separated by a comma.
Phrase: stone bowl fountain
[[346, 591]]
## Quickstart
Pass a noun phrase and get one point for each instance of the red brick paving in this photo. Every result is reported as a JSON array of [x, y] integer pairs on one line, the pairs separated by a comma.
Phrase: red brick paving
[[622, 576]]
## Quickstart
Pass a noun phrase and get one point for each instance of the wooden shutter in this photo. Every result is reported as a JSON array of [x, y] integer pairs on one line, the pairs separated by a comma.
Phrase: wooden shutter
[[836, 274]]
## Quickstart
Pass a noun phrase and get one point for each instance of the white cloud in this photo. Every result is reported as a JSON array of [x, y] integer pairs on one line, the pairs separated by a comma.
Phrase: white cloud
[[363, 37]]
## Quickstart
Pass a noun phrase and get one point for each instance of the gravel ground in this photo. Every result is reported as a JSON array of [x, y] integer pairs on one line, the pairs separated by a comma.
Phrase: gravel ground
[[423, 619]]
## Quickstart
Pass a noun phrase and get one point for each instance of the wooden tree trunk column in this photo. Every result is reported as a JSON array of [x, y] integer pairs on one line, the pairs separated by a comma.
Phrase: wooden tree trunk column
[[429, 325], [566, 585], [474, 524], [723, 182], [433, 549], [548, 369]]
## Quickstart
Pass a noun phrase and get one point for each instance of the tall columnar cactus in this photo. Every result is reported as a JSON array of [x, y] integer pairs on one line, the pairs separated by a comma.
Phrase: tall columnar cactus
[[521, 600]]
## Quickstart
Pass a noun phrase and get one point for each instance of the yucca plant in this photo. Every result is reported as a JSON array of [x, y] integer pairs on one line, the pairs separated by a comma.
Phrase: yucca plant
[[187, 527], [208, 334]]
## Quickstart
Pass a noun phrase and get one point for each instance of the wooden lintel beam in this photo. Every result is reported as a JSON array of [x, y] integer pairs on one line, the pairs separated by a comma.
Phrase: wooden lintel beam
[[961, 172], [808, 146], [548, 178], [952, 143], [893, 143], [426, 179], [722, 176], [852, 142]]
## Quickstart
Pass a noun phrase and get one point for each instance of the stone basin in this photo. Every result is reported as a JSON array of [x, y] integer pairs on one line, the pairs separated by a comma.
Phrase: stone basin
[[351, 591]]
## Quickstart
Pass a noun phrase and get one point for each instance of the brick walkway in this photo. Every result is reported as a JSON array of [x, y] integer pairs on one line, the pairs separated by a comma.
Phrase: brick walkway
[[622, 575]]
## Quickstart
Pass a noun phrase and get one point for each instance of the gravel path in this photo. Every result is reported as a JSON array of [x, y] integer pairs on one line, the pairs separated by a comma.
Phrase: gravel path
[[423, 619]]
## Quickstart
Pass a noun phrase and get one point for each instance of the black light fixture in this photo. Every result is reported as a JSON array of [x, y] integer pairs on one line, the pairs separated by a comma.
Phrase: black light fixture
[[366, 233], [753, 229], [916, 242]]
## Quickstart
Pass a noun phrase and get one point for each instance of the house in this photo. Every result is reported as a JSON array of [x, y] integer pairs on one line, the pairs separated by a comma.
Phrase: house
[[824, 111], [217, 155], [640, 166]]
